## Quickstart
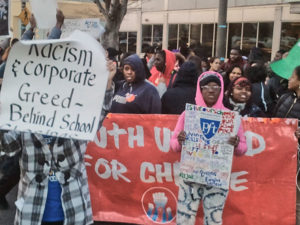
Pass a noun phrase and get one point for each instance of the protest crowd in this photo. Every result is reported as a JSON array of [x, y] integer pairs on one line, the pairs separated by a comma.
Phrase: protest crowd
[[161, 82]]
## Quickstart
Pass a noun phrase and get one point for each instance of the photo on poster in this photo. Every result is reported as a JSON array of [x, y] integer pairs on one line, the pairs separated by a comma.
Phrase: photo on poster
[[4, 17]]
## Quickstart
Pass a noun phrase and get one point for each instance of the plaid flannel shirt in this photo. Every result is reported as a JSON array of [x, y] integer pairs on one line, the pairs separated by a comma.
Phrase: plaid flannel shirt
[[35, 163]]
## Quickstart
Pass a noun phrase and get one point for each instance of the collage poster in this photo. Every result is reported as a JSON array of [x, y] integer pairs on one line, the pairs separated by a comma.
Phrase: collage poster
[[206, 156]]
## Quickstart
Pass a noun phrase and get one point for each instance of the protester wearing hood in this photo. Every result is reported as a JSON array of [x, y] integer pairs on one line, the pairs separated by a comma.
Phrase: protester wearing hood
[[209, 94], [135, 94], [180, 59], [183, 91], [164, 65], [238, 98]]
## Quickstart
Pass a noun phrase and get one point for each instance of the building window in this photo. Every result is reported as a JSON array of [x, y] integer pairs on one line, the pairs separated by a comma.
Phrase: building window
[[234, 36], [290, 33], [244, 36], [183, 35], [248, 35], [192, 35], [195, 35], [127, 42], [208, 39], [173, 36], [265, 38], [152, 36]]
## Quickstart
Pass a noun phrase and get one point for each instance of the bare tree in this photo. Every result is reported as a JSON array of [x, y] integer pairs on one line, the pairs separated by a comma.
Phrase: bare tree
[[113, 12]]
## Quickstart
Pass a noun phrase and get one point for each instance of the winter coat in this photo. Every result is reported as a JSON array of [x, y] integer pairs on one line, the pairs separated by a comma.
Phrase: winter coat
[[262, 98], [169, 66], [183, 91], [288, 106], [175, 145], [249, 109], [139, 97]]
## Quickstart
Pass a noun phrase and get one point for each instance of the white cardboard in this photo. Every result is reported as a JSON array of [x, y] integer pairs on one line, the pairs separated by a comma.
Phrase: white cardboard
[[44, 12], [73, 106]]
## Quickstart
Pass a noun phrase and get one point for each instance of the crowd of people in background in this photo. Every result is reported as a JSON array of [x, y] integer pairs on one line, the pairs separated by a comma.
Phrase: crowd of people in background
[[174, 75], [163, 81]]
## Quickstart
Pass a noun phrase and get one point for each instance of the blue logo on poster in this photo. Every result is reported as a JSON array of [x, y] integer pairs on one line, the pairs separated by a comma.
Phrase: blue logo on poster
[[209, 127]]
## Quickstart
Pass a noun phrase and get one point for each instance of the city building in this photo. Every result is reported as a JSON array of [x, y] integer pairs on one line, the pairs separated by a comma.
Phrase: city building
[[268, 24]]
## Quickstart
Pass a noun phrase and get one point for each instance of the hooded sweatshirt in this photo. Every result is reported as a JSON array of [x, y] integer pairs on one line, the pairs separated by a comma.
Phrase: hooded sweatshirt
[[170, 61], [138, 97], [183, 91], [239, 150]]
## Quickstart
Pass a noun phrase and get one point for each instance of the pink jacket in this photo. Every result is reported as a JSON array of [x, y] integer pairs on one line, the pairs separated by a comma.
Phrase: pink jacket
[[239, 150]]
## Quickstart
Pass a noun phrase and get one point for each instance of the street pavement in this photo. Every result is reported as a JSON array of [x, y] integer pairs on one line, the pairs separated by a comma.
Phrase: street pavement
[[7, 216]]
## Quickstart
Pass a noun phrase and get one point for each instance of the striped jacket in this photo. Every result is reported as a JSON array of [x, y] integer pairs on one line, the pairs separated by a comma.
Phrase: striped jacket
[[35, 163]]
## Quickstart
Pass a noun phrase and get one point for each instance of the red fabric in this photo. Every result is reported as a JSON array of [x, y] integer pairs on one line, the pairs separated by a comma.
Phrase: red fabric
[[170, 63], [265, 175]]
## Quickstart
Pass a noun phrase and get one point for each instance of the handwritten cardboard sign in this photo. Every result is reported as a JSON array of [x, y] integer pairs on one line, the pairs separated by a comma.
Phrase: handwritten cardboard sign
[[4, 17], [55, 87], [206, 156], [93, 26]]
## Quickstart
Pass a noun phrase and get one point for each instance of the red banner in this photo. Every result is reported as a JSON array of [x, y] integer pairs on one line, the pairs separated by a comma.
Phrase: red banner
[[133, 172]]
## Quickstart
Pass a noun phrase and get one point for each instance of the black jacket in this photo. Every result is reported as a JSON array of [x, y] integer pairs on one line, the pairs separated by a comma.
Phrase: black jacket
[[288, 106], [250, 109], [262, 98], [183, 91]]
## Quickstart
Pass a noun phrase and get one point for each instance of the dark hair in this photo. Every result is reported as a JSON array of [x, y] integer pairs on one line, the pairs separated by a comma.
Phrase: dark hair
[[256, 73], [228, 72], [150, 49], [180, 58], [162, 53], [212, 59], [197, 61], [13, 41], [297, 71], [256, 55], [237, 49], [281, 51], [184, 50]]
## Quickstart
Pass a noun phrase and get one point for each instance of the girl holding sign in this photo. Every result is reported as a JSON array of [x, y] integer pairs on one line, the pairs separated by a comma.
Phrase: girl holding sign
[[209, 94]]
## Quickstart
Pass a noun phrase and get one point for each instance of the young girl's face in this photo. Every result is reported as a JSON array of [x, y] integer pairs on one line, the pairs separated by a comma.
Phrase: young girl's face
[[210, 93], [241, 94], [236, 72], [215, 65], [129, 74]]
